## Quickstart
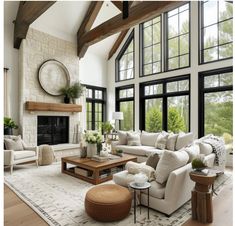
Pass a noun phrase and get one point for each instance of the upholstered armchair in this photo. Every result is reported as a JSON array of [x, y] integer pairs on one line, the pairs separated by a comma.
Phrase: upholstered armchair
[[17, 152]]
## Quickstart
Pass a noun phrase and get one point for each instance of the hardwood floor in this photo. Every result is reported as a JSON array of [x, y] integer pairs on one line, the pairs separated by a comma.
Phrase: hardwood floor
[[17, 213]]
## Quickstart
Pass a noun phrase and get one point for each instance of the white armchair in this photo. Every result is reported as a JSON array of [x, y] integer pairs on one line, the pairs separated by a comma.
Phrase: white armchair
[[17, 152]]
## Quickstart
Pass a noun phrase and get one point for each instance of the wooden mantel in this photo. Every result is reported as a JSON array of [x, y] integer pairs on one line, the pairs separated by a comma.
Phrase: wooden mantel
[[59, 107]]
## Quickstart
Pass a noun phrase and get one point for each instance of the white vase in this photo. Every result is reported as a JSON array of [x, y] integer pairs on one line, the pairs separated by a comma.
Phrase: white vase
[[91, 150]]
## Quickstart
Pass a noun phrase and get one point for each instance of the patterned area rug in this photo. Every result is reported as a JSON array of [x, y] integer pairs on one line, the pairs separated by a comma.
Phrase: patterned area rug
[[59, 198]]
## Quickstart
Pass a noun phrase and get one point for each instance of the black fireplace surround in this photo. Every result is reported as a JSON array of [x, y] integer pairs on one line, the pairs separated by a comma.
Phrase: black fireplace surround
[[53, 130]]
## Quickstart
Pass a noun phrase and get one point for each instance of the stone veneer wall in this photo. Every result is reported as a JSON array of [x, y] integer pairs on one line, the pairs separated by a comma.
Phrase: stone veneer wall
[[35, 49]]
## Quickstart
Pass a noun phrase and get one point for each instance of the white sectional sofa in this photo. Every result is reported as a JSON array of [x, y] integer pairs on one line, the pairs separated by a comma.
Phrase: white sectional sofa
[[169, 196]]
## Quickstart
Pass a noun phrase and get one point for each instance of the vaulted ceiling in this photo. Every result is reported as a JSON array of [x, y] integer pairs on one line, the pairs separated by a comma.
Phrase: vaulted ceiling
[[98, 26]]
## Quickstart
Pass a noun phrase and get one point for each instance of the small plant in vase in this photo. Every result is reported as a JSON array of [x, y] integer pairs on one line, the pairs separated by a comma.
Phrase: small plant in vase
[[119, 152], [198, 163], [92, 138]]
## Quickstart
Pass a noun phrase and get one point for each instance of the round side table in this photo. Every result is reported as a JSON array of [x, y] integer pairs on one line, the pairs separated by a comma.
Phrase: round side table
[[146, 186]]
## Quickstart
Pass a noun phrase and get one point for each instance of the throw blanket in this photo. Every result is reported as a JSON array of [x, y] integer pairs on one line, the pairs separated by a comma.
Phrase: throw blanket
[[134, 168], [218, 147]]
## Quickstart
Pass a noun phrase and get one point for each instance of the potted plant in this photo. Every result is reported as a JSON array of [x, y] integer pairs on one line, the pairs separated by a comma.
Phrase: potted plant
[[66, 92], [119, 152], [107, 127], [9, 125], [72, 92], [76, 90], [93, 139], [198, 163]]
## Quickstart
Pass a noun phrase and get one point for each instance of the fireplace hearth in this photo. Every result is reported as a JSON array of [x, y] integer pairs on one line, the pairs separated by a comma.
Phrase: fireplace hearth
[[52, 130]]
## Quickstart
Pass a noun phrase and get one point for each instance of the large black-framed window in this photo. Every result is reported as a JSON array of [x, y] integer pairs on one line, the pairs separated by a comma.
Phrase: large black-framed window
[[177, 24], [125, 102], [216, 30], [216, 103], [151, 46], [95, 107], [165, 104], [125, 61]]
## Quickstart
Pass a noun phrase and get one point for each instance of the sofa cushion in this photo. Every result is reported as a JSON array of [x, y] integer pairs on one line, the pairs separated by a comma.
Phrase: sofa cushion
[[156, 190], [183, 140], [133, 139], [168, 162], [23, 154], [122, 137], [192, 151], [205, 148], [135, 150], [148, 139], [153, 160], [171, 141], [13, 144], [161, 140]]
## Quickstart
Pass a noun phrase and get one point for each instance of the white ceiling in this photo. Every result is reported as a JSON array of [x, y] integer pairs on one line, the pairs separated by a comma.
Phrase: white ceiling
[[63, 19]]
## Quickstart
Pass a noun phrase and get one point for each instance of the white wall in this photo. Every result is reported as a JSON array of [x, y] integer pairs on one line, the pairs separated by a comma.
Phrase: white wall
[[193, 71], [93, 70], [11, 58]]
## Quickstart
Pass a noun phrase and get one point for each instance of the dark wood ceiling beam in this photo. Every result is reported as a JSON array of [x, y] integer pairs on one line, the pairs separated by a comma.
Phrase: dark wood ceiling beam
[[117, 43], [88, 20], [28, 12], [137, 14], [119, 39], [118, 4]]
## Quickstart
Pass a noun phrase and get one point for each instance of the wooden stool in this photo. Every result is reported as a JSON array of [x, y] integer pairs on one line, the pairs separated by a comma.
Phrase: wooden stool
[[202, 197]]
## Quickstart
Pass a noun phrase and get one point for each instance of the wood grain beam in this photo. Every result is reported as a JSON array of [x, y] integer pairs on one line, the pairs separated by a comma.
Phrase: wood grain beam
[[118, 4], [117, 43], [28, 12], [88, 20], [137, 14], [119, 39]]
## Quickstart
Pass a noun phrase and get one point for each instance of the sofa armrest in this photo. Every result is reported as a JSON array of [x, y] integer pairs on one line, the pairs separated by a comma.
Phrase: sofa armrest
[[179, 183], [8, 157]]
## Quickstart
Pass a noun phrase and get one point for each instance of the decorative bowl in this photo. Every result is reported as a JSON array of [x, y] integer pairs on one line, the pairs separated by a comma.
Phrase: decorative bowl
[[140, 179]]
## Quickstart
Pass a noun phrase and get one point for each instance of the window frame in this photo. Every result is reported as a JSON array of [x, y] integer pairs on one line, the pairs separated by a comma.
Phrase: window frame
[[118, 100], [166, 47], [202, 91], [93, 101], [201, 37], [121, 53], [141, 48], [164, 97]]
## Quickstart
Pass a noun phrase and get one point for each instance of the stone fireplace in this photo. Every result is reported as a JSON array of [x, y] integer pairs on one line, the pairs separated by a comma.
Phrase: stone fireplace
[[37, 48]]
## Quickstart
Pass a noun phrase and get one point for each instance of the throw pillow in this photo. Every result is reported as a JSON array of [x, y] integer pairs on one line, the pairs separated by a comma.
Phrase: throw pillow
[[122, 137], [148, 139], [161, 140], [205, 148], [171, 141], [183, 140], [15, 144], [192, 152], [133, 139], [169, 162], [153, 160]]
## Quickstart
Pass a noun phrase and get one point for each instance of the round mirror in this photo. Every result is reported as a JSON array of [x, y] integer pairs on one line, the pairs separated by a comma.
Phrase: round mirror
[[53, 76]]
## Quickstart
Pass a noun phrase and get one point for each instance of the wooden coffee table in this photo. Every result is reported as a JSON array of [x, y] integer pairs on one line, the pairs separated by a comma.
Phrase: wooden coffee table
[[99, 171]]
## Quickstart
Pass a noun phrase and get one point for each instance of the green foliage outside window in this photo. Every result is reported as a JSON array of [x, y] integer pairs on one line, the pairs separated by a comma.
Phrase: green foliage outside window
[[153, 120], [175, 121]]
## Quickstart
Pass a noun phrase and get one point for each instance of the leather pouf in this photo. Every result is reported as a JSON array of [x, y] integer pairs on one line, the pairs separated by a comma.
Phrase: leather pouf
[[46, 155], [109, 202]]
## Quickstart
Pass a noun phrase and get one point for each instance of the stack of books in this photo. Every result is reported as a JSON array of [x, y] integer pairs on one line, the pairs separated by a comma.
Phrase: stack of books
[[100, 158]]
